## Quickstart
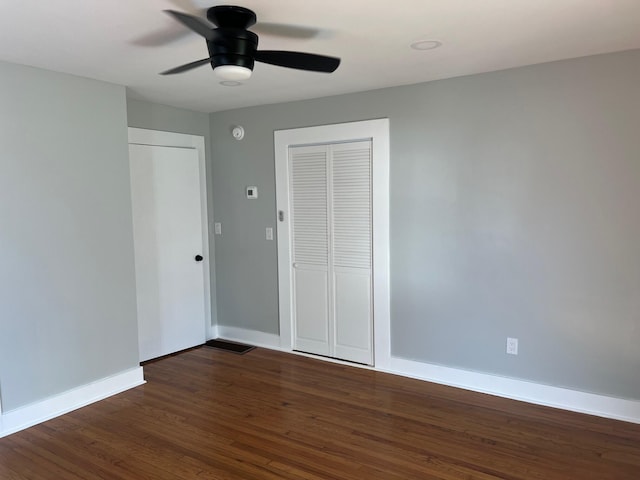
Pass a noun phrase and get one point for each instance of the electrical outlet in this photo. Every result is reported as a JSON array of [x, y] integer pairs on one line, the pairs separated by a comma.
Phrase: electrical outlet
[[217, 228], [512, 346], [269, 233]]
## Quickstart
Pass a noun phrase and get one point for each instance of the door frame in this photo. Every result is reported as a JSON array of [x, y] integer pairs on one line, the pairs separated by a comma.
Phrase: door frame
[[378, 132], [141, 136]]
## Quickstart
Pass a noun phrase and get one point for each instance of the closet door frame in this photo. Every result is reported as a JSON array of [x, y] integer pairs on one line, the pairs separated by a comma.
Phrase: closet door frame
[[378, 132]]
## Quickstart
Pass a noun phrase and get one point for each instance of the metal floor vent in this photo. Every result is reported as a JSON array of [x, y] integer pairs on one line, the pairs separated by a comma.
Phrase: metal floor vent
[[233, 347]]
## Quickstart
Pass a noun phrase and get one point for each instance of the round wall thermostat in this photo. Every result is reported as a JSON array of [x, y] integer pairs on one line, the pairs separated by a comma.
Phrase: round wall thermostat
[[238, 133]]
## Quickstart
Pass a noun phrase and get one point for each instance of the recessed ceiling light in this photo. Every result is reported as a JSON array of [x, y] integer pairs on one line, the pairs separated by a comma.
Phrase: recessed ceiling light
[[230, 83], [426, 44]]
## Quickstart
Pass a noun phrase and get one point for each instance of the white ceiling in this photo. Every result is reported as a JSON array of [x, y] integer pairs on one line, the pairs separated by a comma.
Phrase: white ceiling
[[105, 40]]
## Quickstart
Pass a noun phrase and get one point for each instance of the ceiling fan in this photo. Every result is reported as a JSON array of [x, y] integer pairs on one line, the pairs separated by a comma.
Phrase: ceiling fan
[[233, 49]]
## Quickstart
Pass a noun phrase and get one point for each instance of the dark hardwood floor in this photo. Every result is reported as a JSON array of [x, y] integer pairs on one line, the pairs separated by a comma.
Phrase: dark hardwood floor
[[208, 414]]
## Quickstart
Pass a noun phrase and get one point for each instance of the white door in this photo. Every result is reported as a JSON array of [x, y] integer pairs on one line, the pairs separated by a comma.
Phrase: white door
[[310, 248], [168, 244], [331, 232], [351, 251], [377, 132]]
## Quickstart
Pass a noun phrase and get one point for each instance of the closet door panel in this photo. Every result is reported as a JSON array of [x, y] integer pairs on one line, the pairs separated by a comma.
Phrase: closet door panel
[[310, 248], [311, 307], [351, 212], [352, 312], [351, 204]]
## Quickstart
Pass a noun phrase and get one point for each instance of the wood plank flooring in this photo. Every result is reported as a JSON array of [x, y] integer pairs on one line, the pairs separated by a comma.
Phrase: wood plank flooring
[[209, 414]]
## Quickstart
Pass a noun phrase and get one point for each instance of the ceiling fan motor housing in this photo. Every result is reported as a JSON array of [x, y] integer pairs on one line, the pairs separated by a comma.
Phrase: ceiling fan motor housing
[[233, 46], [231, 16]]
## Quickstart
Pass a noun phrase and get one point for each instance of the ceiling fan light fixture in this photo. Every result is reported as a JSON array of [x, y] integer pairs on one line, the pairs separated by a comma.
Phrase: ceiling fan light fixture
[[233, 49], [234, 73]]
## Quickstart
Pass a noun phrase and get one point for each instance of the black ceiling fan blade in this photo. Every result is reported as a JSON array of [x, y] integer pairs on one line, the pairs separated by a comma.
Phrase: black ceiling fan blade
[[286, 31], [162, 37], [298, 60], [194, 23], [185, 5], [187, 66]]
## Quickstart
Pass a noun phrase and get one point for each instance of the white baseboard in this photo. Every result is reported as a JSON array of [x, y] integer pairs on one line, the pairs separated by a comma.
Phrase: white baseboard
[[530, 392], [30, 415], [213, 332], [536, 393], [252, 337]]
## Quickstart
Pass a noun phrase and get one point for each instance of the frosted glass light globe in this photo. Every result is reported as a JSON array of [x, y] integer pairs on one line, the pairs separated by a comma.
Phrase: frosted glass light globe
[[232, 72]]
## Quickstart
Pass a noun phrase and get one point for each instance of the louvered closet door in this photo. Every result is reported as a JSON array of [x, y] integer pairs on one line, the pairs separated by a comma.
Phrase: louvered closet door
[[351, 233], [310, 248], [330, 195]]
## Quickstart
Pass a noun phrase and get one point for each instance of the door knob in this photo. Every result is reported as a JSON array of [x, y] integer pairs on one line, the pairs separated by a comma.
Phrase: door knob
[[198, 258]]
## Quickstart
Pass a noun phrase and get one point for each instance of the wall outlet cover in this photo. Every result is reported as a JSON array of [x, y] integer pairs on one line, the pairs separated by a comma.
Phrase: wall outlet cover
[[512, 346]]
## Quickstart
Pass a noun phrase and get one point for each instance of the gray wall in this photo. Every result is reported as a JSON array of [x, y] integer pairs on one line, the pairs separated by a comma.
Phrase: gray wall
[[152, 116], [514, 200], [67, 285]]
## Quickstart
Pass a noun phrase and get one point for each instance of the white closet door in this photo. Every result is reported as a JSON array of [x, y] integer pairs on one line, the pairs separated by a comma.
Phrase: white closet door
[[331, 235], [310, 242], [351, 233]]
